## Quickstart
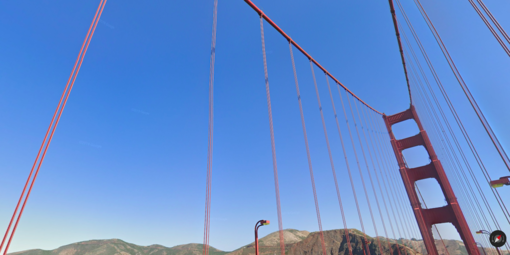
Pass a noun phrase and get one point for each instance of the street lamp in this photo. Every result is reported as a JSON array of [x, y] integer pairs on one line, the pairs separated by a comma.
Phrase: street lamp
[[505, 180], [487, 233], [482, 247], [262, 223], [483, 232]]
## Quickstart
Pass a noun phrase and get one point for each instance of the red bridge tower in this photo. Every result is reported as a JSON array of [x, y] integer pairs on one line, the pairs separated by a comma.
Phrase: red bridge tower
[[451, 213]]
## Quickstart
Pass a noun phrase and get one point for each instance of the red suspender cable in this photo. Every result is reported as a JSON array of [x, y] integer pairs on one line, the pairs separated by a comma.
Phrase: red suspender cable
[[346, 163], [329, 151], [361, 172], [53, 126], [207, 223], [273, 148], [308, 152]]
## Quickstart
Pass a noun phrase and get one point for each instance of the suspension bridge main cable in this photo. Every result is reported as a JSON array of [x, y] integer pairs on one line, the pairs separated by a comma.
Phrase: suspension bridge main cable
[[397, 33], [308, 56], [52, 127]]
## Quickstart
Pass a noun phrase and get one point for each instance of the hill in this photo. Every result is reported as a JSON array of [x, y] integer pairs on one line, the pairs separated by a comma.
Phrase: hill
[[296, 243], [119, 247]]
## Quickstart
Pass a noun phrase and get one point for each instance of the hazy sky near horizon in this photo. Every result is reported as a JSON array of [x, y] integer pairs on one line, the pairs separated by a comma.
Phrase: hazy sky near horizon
[[128, 159]]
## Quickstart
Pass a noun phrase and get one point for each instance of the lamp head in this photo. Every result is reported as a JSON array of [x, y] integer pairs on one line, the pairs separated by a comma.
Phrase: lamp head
[[499, 183], [264, 222]]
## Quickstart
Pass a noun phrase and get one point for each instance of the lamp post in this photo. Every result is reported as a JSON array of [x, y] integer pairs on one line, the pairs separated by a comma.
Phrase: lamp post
[[482, 247], [259, 224], [505, 180], [487, 233]]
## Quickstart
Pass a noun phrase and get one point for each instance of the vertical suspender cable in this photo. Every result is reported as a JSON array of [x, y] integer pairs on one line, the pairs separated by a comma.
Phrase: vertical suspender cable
[[387, 183], [464, 87], [370, 176], [438, 105], [432, 112], [368, 169], [394, 196], [423, 120], [279, 30], [273, 148], [379, 160], [456, 170], [475, 107], [389, 191], [53, 126], [346, 162], [457, 119], [453, 179], [308, 152], [207, 221], [350, 174], [361, 172], [329, 153]]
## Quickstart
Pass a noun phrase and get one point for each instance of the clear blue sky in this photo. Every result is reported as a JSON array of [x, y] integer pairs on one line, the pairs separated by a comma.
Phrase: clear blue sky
[[128, 159]]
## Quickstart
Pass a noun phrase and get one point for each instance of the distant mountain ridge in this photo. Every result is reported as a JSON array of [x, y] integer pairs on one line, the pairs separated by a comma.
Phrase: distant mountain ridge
[[296, 243], [119, 247]]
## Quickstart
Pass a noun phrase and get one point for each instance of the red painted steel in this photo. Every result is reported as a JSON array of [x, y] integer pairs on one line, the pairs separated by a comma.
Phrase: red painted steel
[[489, 13], [257, 237], [261, 13], [259, 224], [273, 147], [395, 24], [450, 213], [207, 220], [53, 125], [310, 168], [472, 101], [503, 180], [489, 26]]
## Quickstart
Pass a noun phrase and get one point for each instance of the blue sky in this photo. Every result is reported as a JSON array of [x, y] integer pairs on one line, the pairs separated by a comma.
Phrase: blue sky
[[128, 159]]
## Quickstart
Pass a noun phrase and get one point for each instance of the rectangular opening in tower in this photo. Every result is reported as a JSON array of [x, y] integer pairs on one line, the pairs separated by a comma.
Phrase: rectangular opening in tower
[[416, 156], [404, 129], [430, 193], [447, 239]]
